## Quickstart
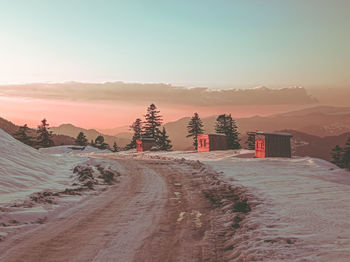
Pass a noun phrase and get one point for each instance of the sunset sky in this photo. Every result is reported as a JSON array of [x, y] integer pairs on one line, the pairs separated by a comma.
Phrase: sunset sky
[[216, 44]]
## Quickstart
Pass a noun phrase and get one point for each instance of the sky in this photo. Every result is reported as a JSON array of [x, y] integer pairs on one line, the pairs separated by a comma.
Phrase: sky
[[185, 42], [219, 44]]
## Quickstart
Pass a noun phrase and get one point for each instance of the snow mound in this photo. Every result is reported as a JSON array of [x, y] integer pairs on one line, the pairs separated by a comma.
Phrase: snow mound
[[73, 149], [24, 170]]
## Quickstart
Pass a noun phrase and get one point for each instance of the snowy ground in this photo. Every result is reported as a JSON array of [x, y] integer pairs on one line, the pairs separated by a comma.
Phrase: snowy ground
[[300, 206], [36, 185], [303, 206]]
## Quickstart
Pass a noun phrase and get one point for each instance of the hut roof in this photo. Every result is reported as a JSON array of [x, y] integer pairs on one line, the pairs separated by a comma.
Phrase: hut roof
[[148, 139], [273, 133]]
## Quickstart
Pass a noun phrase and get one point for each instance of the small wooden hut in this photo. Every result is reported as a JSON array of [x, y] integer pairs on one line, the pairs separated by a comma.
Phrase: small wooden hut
[[210, 142], [145, 144], [272, 144]]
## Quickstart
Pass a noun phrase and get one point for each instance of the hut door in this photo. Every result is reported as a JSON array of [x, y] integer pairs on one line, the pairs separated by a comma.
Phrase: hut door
[[139, 145], [260, 148]]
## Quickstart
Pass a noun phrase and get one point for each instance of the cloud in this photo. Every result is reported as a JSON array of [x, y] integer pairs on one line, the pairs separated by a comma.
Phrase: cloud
[[166, 94]]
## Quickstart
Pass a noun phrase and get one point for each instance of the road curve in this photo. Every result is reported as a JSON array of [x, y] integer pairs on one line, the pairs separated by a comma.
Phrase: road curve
[[156, 213]]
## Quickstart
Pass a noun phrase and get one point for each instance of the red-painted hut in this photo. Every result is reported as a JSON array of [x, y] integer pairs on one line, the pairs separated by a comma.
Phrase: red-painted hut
[[145, 144], [210, 142], [272, 144]]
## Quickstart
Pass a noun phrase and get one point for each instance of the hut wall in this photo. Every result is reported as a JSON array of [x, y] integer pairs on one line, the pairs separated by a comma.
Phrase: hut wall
[[147, 145], [217, 142], [278, 146]]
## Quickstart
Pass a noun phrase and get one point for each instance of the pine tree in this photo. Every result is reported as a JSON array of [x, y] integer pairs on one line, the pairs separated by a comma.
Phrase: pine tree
[[44, 138], [250, 141], [136, 127], [115, 147], [22, 136], [346, 157], [81, 139], [194, 128], [153, 121], [100, 143], [226, 125], [220, 124], [163, 141], [338, 156], [232, 133]]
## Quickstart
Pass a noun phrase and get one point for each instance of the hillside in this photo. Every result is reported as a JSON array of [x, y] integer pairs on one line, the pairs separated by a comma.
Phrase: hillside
[[25, 170], [321, 147], [11, 128], [320, 121], [91, 134]]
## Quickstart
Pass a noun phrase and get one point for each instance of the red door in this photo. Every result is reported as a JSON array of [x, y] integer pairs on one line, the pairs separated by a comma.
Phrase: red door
[[139, 145], [260, 148]]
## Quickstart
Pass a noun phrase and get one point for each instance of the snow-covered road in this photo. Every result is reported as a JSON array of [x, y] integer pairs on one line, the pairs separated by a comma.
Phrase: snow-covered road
[[156, 213], [302, 205]]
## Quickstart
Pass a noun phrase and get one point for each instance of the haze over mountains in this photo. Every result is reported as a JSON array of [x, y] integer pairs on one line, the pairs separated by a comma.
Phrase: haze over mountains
[[91, 134]]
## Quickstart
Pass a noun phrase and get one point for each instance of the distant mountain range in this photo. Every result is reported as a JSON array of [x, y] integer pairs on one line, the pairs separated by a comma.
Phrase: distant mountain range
[[319, 121], [121, 139], [309, 145]]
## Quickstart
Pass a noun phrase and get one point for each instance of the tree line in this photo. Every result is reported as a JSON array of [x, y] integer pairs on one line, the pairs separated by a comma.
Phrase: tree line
[[341, 156], [42, 139], [224, 124], [150, 127]]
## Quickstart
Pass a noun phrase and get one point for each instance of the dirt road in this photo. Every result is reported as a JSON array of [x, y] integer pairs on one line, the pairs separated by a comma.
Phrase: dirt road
[[156, 213]]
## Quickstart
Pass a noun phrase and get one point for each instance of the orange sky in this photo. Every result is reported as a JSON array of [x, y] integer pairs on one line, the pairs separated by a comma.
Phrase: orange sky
[[102, 115]]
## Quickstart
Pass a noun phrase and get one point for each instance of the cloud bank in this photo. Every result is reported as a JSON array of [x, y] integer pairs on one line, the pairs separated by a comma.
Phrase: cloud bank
[[160, 93]]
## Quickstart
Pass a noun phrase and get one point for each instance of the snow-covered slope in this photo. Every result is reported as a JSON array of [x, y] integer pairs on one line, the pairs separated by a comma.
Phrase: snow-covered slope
[[73, 149], [24, 170]]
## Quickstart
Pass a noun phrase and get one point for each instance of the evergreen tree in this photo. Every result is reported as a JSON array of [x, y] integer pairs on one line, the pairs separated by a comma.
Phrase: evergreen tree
[[22, 136], [115, 147], [346, 157], [250, 141], [163, 141], [194, 128], [337, 156], [153, 121], [100, 143], [136, 127], [220, 124], [44, 138], [226, 125], [81, 139]]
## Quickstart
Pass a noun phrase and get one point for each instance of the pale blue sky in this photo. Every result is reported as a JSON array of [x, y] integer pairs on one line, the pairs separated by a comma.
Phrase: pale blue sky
[[214, 43]]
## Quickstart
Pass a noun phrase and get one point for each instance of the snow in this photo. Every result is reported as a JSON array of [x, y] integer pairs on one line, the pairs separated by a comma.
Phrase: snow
[[188, 155], [72, 149], [24, 170], [301, 205], [27, 173], [303, 200]]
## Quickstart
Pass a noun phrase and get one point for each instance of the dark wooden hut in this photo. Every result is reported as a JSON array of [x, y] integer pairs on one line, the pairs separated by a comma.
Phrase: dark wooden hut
[[145, 144], [210, 142], [272, 144]]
